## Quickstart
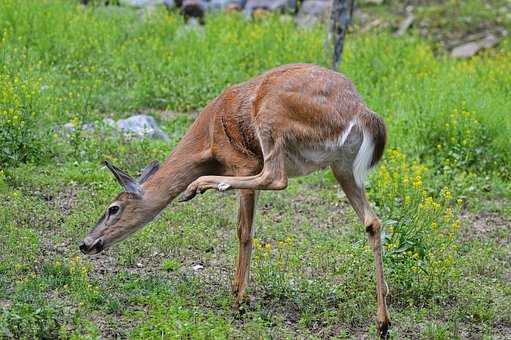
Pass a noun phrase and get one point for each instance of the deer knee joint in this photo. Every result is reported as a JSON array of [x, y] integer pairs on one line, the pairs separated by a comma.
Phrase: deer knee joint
[[274, 181], [277, 182], [374, 227], [280, 183]]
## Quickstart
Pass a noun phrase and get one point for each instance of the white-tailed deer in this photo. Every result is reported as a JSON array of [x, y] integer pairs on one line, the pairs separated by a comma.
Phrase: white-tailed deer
[[287, 122]]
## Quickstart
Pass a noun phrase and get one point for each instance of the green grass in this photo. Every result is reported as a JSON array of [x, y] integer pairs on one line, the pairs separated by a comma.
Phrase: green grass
[[442, 190]]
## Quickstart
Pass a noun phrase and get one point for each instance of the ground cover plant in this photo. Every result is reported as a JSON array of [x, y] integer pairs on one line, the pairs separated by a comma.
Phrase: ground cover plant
[[442, 190]]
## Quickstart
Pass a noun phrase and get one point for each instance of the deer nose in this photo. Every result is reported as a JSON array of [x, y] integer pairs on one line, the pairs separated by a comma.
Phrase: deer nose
[[90, 245]]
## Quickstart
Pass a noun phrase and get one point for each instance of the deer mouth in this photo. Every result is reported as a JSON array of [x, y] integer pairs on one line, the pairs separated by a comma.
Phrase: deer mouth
[[92, 248]]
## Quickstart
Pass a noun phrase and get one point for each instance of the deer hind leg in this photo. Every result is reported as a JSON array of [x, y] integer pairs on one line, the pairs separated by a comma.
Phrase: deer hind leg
[[245, 235], [272, 177], [358, 200]]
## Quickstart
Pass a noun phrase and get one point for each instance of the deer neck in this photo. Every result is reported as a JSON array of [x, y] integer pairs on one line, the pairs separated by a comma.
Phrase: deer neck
[[190, 160]]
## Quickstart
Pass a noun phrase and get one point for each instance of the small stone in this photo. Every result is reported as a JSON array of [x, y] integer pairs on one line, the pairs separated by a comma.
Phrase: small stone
[[142, 3], [469, 49], [69, 127], [88, 127], [198, 267], [141, 126], [140, 265], [405, 25]]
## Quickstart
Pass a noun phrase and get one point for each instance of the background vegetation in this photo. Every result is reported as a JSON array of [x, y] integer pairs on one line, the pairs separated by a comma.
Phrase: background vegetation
[[443, 189]]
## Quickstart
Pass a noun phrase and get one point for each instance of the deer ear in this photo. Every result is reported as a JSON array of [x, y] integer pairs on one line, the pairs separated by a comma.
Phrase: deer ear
[[148, 171], [125, 180]]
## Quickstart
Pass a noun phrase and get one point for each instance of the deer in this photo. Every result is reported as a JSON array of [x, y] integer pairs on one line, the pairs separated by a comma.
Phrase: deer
[[287, 122]]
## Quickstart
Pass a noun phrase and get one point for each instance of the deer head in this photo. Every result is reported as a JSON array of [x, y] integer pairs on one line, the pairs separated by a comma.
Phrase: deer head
[[127, 213]]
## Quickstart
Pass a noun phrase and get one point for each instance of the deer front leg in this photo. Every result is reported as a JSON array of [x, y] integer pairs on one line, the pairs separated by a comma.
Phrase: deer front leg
[[245, 235], [272, 177], [358, 200]]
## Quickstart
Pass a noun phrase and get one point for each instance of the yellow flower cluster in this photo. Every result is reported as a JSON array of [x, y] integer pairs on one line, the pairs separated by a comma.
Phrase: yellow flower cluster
[[425, 225]]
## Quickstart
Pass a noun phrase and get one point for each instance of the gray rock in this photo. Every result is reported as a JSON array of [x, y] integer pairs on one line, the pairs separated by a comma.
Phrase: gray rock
[[468, 50], [405, 25], [268, 5], [141, 126], [138, 126], [223, 4], [314, 11], [89, 127], [142, 3], [169, 4], [198, 267], [68, 128]]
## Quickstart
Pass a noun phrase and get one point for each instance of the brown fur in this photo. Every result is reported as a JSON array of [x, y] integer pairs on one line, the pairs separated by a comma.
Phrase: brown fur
[[244, 138]]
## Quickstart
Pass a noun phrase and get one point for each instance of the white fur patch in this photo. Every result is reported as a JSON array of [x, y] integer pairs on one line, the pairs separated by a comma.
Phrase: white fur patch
[[308, 158], [223, 186], [362, 162], [346, 133]]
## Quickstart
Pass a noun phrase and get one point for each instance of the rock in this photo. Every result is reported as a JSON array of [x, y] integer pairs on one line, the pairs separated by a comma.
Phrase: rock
[[142, 3], [198, 267], [169, 4], [88, 127], [489, 41], [68, 128], [268, 5], [141, 126], [405, 25], [313, 11], [373, 24], [226, 4], [469, 49]]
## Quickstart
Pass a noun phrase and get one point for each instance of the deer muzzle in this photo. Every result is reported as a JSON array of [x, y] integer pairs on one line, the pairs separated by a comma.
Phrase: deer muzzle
[[91, 247]]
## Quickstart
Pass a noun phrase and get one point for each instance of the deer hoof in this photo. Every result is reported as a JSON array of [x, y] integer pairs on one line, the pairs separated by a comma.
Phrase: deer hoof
[[187, 195], [383, 329]]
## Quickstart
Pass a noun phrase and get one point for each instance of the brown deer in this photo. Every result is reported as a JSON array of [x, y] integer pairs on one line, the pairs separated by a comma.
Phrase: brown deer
[[287, 122]]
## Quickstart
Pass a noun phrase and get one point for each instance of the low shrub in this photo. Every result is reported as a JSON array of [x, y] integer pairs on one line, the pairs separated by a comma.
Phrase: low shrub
[[422, 226]]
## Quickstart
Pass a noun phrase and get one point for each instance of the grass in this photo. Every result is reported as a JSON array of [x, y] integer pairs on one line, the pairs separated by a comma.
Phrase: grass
[[442, 190]]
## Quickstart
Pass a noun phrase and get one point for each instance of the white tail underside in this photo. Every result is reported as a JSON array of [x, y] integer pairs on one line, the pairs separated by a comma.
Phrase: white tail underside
[[362, 162]]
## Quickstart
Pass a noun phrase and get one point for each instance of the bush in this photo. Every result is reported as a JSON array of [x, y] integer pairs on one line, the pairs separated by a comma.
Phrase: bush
[[421, 229], [463, 144], [20, 136]]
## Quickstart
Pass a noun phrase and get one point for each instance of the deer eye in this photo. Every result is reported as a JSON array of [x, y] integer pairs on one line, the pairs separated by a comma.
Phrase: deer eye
[[114, 209]]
